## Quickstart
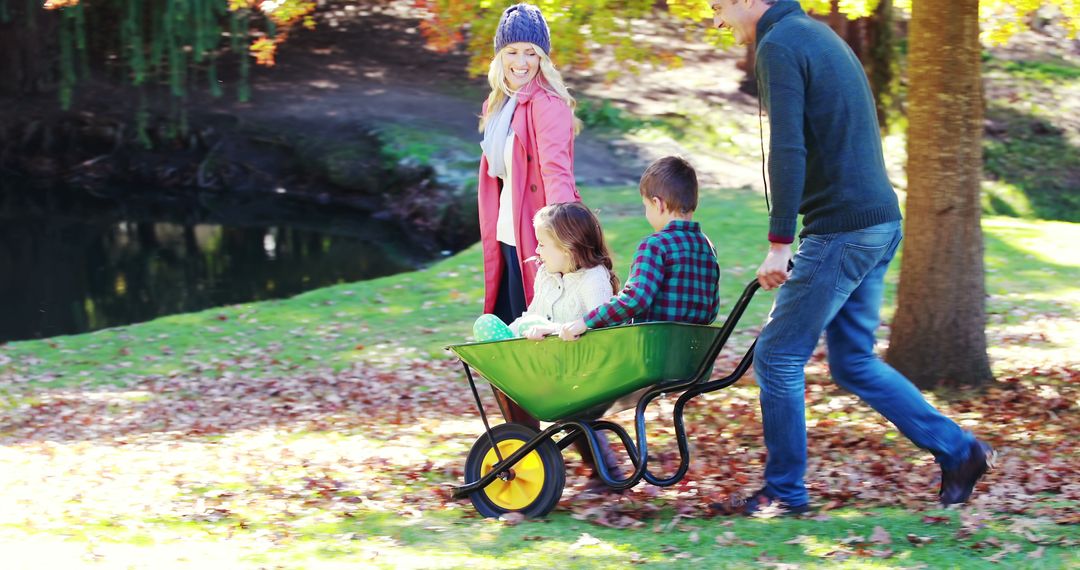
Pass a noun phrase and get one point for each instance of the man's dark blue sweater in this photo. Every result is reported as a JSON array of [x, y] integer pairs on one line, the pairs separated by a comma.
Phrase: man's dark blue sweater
[[825, 158]]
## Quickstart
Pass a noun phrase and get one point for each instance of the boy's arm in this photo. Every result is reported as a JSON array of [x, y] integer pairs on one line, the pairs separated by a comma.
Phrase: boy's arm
[[716, 291], [646, 276]]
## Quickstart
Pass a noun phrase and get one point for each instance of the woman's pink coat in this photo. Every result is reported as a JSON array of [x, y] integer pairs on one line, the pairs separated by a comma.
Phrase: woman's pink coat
[[543, 126]]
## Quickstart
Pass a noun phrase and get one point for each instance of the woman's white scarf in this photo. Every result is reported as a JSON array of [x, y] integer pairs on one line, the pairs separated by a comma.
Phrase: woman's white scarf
[[496, 132]]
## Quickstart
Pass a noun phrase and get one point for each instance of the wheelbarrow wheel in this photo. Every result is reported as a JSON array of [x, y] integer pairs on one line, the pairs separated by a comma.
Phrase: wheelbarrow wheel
[[534, 484]]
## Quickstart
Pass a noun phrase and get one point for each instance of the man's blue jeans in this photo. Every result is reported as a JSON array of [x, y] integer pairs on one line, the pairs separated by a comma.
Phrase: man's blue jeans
[[836, 286]]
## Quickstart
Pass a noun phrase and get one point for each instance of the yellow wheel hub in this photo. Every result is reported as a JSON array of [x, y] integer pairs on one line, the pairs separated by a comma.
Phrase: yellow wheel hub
[[525, 485]]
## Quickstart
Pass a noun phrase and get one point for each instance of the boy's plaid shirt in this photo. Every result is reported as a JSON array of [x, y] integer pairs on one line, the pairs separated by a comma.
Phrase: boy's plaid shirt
[[674, 277]]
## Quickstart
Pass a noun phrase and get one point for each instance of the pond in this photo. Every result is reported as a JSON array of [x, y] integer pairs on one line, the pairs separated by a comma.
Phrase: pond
[[72, 262]]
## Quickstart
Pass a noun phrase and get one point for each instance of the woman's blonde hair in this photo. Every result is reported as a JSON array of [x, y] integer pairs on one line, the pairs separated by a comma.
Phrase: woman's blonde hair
[[577, 230], [550, 80]]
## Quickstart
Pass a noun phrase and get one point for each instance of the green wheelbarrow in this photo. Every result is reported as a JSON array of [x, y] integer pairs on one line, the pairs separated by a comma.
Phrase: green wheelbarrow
[[515, 468]]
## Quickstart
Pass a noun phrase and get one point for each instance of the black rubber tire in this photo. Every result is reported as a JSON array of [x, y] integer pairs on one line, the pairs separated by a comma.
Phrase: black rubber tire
[[550, 458]]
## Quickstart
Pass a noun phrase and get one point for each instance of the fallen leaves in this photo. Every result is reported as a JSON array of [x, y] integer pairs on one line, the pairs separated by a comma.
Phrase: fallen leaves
[[1007, 549], [970, 523], [614, 513], [880, 536], [919, 540], [585, 539], [227, 444], [512, 519], [728, 538]]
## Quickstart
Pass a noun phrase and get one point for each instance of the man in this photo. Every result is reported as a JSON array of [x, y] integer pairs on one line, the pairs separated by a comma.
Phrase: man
[[826, 163]]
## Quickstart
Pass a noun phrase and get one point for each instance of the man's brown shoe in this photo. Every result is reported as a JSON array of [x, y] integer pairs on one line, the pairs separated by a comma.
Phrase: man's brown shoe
[[958, 482]]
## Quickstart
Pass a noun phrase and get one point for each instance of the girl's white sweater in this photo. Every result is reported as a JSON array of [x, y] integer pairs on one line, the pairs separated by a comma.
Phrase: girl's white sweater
[[561, 298]]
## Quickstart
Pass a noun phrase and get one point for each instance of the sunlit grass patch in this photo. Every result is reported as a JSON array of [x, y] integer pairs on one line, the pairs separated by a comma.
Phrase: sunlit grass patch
[[1034, 302]]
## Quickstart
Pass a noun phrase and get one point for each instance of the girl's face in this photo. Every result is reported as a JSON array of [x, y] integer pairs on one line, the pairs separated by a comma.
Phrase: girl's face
[[520, 63], [555, 258]]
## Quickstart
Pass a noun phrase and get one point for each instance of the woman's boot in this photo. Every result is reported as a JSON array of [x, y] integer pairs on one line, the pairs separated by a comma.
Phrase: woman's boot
[[596, 485]]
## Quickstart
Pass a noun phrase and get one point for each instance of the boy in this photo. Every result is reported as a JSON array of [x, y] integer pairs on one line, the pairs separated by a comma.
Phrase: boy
[[675, 276]]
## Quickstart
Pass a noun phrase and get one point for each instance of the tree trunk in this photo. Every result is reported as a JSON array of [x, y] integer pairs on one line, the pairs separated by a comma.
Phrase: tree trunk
[[939, 332], [855, 38], [27, 57], [879, 63], [836, 20]]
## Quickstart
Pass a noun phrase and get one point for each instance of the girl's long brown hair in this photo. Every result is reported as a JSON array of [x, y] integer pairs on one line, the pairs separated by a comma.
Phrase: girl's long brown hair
[[578, 231]]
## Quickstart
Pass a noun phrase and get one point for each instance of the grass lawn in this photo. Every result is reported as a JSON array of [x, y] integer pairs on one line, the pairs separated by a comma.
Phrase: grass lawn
[[412, 314], [1031, 275], [325, 430]]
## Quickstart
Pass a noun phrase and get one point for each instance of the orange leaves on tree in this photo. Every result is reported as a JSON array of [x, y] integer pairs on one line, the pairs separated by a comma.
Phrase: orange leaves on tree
[[442, 26], [577, 27], [263, 50], [285, 15], [58, 4], [287, 12]]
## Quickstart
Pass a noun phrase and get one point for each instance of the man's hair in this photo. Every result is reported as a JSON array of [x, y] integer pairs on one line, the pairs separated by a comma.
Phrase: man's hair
[[674, 181]]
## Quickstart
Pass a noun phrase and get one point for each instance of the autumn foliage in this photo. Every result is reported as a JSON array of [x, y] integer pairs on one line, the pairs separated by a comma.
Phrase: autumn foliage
[[396, 414], [579, 27]]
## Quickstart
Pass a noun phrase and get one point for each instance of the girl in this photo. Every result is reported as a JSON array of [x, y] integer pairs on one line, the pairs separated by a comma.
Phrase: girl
[[575, 276]]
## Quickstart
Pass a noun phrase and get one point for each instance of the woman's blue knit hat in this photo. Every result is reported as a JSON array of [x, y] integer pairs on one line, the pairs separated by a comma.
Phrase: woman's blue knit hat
[[523, 23]]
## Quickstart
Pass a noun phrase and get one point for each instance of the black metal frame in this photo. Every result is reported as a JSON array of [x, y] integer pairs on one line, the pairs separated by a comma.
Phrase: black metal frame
[[692, 387]]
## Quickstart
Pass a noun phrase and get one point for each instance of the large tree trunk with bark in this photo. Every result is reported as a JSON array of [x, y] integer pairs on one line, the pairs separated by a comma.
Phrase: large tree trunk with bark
[[939, 331]]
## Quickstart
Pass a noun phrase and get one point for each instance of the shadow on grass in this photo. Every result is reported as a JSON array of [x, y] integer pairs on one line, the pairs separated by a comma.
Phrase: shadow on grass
[[1031, 155]]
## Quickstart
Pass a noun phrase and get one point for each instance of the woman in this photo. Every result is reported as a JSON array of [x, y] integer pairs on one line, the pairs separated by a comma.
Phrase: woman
[[527, 163]]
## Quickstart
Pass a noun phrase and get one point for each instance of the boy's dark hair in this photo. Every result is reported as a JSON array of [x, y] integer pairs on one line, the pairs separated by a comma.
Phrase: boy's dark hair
[[674, 181]]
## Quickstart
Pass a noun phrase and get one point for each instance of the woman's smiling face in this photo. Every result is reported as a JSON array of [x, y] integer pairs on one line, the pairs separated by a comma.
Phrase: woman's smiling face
[[520, 63]]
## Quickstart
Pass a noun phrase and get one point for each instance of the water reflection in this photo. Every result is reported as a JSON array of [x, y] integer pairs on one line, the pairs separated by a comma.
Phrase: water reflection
[[62, 273]]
